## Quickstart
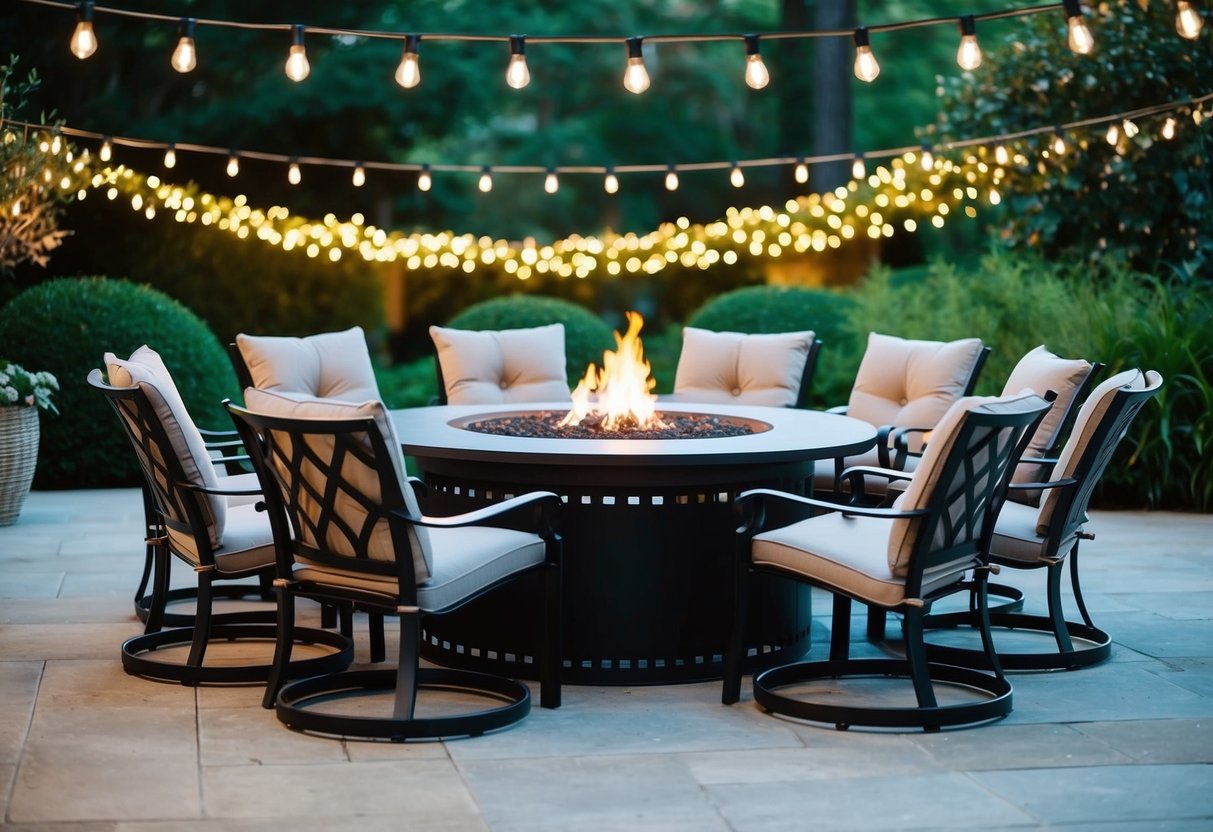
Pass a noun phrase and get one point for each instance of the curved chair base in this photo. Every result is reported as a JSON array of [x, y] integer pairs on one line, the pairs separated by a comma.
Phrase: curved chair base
[[222, 591], [137, 652], [844, 716], [1100, 644], [293, 698]]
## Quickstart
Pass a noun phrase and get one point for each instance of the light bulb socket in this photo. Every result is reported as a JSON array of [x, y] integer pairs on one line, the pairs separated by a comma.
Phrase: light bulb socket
[[751, 44], [968, 26], [486, 169], [635, 47], [862, 38], [297, 34], [1072, 8], [84, 12], [412, 44], [185, 28], [517, 44]]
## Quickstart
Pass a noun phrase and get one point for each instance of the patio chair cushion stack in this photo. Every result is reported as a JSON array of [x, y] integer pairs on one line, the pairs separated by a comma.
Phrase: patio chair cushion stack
[[329, 365], [738, 368], [502, 366]]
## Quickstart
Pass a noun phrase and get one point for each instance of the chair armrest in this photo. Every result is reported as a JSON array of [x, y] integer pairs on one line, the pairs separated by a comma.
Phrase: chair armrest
[[420, 486], [218, 435], [857, 476], [227, 492], [840, 409], [1037, 486], [862, 511], [893, 444], [1039, 460], [545, 501]]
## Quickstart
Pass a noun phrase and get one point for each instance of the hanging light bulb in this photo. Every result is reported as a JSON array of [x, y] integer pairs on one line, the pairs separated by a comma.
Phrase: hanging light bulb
[[866, 66], [551, 183], [293, 174], [928, 159], [1113, 135], [517, 75], [185, 56], [486, 180], [1188, 21], [107, 150], [424, 180], [969, 53], [1168, 128], [233, 164], [170, 156], [297, 66], [756, 74], [671, 179], [611, 183], [1059, 142], [801, 172], [1079, 38], [736, 177], [359, 177], [858, 169], [84, 39], [635, 77], [1130, 128], [408, 74], [1001, 156]]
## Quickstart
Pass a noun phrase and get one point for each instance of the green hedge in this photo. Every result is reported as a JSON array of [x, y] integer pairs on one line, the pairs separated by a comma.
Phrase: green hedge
[[65, 326]]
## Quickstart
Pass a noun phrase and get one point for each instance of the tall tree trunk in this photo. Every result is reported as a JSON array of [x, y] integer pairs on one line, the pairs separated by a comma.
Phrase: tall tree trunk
[[791, 63], [832, 59]]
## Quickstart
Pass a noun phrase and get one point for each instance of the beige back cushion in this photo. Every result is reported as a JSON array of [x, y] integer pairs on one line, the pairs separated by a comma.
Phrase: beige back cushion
[[502, 366], [331, 365], [146, 369], [365, 479], [904, 533], [911, 383], [1089, 416], [729, 367], [1041, 371]]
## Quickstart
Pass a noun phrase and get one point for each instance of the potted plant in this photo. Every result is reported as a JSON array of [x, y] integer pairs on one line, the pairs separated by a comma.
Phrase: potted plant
[[22, 395]]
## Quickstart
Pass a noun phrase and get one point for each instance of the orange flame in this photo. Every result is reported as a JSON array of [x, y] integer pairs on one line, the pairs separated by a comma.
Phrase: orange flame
[[619, 394]]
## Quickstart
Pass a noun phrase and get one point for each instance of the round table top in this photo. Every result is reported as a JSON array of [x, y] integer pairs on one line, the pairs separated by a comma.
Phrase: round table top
[[795, 436]]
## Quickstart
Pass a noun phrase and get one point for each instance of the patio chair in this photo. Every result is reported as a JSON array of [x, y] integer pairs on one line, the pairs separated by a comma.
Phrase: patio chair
[[902, 384], [902, 559], [221, 542], [1046, 536], [503, 366], [348, 529], [772, 369]]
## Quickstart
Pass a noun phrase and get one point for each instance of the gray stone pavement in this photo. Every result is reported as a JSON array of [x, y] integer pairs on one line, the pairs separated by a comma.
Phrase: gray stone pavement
[[1123, 746]]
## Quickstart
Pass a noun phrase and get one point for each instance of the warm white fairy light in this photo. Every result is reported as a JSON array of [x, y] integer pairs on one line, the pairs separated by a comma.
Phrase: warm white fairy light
[[293, 174], [756, 74], [84, 40], [551, 182], [517, 73], [1188, 21], [424, 180], [635, 75], [671, 179], [297, 65], [611, 183], [170, 156], [408, 74], [233, 165], [801, 173], [185, 55], [968, 54], [486, 180], [358, 179], [1078, 36], [866, 65], [736, 177]]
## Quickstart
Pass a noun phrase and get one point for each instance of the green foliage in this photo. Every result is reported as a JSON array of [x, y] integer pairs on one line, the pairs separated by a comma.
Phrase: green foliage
[[585, 336], [1143, 200], [408, 384], [1121, 318], [65, 326], [758, 309]]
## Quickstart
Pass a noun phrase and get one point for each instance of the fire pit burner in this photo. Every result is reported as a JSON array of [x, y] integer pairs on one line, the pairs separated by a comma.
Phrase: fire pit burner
[[545, 424]]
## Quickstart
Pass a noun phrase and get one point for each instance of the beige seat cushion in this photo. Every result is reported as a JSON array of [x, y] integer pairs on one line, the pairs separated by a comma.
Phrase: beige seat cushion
[[331, 365], [381, 546], [910, 383], [146, 369], [732, 367], [1041, 371], [502, 366], [1015, 536]]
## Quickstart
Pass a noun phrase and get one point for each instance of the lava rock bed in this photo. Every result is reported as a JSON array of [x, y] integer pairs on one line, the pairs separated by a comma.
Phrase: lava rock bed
[[545, 425]]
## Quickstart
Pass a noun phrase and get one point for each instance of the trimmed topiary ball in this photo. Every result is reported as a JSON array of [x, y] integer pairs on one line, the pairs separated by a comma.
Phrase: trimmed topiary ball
[[66, 326], [759, 309], [585, 335]]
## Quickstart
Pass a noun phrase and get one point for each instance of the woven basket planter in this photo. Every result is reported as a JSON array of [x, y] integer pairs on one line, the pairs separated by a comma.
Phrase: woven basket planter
[[18, 456]]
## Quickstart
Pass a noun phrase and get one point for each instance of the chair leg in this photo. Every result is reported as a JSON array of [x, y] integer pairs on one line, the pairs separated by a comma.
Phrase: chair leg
[[840, 628], [161, 562], [346, 615], [1076, 586], [328, 616], [282, 647], [553, 638], [202, 621], [374, 626], [916, 656], [406, 668], [877, 619], [735, 652], [981, 595]]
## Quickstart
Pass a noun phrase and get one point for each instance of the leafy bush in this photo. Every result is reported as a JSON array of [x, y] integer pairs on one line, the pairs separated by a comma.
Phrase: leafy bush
[[585, 336], [1124, 319], [758, 309], [408, 384], [65, 326]]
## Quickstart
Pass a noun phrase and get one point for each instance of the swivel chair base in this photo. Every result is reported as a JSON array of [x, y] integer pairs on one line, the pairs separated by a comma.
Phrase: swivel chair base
[[929, 718], [235, 592], [295, 696], [1067, 656]]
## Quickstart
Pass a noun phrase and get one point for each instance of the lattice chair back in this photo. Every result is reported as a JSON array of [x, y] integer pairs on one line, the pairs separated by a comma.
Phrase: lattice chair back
[[341, 486], [961, 483]]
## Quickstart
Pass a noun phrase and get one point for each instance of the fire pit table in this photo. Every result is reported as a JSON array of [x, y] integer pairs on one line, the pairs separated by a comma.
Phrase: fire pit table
[[648, 527]]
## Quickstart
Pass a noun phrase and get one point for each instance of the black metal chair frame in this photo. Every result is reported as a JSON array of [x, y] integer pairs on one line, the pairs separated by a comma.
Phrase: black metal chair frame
[[1068, 518], [966, 535], [178, 506], [279, 465]]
